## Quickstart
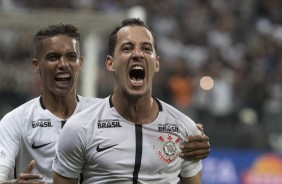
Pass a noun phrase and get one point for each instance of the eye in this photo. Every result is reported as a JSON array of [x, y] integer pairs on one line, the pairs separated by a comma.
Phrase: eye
[[72, 56], [53, 57], [147, 48], [127, 48]]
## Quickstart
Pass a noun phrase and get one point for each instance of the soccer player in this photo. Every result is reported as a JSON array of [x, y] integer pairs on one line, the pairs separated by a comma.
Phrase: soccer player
[[130, 136], [29, 133]]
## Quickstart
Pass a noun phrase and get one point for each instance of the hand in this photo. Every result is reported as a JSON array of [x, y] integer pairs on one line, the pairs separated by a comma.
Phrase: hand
[[196, 147], [26, 176]]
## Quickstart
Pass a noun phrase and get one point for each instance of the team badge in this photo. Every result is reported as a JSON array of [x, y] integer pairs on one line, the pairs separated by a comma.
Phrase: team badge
[[168, 151]]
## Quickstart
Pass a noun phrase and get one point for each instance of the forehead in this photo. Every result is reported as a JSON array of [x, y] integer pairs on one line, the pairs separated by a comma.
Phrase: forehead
[[134, 34], [59, 43]]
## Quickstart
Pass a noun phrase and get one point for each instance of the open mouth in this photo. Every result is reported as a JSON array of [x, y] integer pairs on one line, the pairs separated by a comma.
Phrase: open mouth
[[63, 77], [137, 74]]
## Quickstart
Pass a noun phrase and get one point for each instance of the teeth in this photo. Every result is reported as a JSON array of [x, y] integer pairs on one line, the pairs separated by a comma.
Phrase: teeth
[[137, 68], [137, 75], [63, 75]]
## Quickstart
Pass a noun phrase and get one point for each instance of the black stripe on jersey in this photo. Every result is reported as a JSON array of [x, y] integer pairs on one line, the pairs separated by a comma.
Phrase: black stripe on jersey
[[159, 104], [15, 172], [63, 123], [41, 103], [110, 101], [138, 151], [81, 178]]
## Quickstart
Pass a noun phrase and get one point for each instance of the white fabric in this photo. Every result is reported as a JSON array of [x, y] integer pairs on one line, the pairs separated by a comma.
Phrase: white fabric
[[29, 125], [101, 126], [4, 173]]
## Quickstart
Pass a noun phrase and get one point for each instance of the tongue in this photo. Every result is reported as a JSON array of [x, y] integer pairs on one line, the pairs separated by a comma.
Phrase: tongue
[[136, 82], [136, 79]]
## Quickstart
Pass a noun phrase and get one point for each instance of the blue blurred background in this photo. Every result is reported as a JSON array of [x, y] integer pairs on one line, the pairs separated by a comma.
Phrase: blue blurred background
[[221, 64]]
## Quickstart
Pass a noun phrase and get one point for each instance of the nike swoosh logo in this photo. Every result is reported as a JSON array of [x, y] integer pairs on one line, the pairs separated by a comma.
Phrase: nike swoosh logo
[[99, 149], [39, 146]]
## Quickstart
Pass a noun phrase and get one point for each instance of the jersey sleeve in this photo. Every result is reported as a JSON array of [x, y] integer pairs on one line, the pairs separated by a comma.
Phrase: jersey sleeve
[[10, 139], [69, 158], [190, 168]]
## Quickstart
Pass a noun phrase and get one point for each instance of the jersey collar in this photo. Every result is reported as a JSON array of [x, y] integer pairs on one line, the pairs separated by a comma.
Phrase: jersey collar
[[159, 103], [43, 106]]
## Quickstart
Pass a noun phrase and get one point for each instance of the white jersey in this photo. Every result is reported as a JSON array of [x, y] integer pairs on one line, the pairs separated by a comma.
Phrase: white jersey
[[31, 132], [106, 148]]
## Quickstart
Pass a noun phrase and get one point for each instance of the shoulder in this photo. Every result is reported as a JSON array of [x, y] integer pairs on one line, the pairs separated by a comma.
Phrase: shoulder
[[84, 118], [169, 110], [174, 115], [85, 102], [23, 110], [81, 126], [90, 100]]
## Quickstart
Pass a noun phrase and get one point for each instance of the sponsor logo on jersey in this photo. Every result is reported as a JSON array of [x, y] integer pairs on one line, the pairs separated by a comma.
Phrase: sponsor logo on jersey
[[168, 151], [108, 123], [41, 123], [39, 146], [2, 154], [168, 127], [56, 159], [99, 149]]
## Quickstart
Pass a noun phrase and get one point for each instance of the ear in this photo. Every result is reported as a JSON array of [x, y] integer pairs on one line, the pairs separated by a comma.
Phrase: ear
[[81, 61], [157, 68], [110, 63], [35, 65]]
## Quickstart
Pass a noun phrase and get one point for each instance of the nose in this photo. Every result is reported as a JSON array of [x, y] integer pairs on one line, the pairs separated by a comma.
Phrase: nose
[[63, 62], [137, 54]]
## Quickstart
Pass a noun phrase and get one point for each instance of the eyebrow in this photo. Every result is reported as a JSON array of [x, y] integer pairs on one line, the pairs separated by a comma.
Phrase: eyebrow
[[52, 53], [131, 43]]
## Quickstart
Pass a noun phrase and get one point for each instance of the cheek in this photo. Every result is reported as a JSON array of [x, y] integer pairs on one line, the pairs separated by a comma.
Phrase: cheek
[[46, 72], [153, 67]]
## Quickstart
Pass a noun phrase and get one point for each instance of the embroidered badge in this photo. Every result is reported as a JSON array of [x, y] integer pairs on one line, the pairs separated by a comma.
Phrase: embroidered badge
[[168, 151]]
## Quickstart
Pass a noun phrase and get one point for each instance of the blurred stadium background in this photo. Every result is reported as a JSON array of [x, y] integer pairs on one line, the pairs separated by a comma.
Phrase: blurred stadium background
[[221, 64]]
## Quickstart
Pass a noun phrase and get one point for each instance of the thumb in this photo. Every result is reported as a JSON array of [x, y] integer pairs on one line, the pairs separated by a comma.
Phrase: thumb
[[29, 168], [200, 127]]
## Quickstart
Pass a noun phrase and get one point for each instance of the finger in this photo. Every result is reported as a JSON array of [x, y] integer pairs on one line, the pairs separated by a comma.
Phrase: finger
[[196, 154], [199, 138], [196, 157], [30, 182], [30, 176], [195, 145], [200, 127], [30, 167]]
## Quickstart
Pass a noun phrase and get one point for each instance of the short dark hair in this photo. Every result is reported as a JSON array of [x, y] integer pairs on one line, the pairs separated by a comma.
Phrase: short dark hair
[[54, 30], [126, 22]]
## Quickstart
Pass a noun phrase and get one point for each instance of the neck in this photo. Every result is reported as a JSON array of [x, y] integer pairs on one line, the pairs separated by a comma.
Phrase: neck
[[61, 106], [139, 110]]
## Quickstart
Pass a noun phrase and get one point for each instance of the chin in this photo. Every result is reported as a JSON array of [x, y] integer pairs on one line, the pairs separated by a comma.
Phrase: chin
[[137, 93]]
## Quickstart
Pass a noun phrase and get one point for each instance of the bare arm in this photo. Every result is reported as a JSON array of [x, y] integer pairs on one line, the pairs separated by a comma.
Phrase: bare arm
[[196, 147], [26, 177], [59, 179], [197, 179]]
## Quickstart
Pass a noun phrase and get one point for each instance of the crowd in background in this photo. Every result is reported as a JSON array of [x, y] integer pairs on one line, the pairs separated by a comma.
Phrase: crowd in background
[[237, 43]]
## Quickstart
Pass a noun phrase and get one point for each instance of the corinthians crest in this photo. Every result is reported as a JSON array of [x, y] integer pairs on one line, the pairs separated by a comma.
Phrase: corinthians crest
[[168, 151]]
